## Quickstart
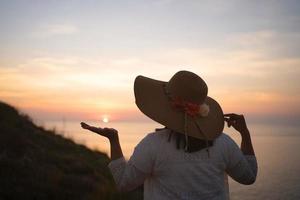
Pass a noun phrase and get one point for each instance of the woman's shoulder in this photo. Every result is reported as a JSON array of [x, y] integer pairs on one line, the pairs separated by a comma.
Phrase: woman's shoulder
[[160, 134], [224, 140], [151, 142], [224, 137], [157, 135]]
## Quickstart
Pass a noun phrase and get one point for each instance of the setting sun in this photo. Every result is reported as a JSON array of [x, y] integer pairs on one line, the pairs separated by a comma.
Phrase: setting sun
[[68, 80], [105, 119]]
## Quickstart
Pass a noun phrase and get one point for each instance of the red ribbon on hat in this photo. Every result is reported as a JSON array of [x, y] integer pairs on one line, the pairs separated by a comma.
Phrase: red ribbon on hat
[[192, 109]]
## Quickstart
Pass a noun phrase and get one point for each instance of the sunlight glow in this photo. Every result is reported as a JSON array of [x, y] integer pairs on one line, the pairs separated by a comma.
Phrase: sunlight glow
[[72, 69], [105, 119]]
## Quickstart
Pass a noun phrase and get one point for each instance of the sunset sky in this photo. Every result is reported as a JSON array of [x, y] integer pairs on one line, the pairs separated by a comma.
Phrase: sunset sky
[[78, 59]]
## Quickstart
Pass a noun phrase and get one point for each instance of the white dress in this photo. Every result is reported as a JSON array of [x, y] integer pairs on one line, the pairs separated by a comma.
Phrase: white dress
[[171, 173]]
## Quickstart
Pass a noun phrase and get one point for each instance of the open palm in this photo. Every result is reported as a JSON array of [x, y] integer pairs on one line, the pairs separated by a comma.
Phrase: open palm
[[110, 133]]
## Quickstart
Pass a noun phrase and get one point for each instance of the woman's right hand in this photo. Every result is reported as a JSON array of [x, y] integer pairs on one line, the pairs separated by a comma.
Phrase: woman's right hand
[[109, 133]]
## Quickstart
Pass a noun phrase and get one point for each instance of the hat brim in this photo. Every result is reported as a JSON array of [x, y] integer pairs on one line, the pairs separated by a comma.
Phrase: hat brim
[[151, 99]]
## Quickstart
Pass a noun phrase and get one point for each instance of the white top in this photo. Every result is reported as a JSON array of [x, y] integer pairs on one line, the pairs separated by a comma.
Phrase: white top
[[171, 173]]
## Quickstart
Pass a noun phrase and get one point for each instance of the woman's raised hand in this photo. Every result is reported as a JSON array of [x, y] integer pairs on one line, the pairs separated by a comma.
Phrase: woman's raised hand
[[110, 133], [238, 122]]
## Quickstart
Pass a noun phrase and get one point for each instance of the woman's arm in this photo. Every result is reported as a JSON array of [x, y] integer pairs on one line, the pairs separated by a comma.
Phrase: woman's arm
[[115, 149], [242, 164], [246, 144], [127, 177], [113, 137], [238, 122]]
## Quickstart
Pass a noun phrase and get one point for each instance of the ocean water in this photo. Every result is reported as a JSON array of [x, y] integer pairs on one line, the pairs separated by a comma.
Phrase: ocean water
[[277, 148]]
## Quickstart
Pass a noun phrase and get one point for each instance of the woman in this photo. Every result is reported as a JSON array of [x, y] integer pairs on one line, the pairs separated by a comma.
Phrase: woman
[[191, 157]]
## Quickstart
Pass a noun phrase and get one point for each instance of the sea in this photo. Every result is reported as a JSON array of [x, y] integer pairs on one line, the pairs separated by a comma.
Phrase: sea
[[277, 149]]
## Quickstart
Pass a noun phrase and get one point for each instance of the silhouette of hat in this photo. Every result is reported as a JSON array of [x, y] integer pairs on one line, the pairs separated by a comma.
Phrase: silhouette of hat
[[181, 104]]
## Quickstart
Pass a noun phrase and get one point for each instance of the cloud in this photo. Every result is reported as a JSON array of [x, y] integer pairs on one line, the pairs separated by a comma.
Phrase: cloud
[[163, 2], [267, 43], [50, 30], [245, 76]]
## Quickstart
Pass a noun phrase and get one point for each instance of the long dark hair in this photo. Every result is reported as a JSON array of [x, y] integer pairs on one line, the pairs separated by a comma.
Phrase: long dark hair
[[194, 144]]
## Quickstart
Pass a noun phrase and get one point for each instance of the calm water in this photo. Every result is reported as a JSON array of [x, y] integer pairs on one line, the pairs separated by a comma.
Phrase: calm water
[[277, 149]]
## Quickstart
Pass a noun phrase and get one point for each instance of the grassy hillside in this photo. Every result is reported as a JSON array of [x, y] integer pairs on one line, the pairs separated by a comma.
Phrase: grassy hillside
[[39, 164]]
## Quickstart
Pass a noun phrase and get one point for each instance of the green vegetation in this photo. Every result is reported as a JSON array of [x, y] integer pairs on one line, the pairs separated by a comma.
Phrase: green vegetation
[[39, 164]]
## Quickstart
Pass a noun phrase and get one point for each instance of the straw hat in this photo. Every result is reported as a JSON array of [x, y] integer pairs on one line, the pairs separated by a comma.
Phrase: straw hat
[[181, 104]]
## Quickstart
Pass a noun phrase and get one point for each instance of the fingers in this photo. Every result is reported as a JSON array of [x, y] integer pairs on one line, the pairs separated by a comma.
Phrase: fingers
[[238, 122], [84, 125], [102, 131], [232, 118], [232, 115], [230, 122]]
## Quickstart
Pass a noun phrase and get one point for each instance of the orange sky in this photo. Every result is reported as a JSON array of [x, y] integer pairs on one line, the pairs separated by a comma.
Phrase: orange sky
[[81, 64]]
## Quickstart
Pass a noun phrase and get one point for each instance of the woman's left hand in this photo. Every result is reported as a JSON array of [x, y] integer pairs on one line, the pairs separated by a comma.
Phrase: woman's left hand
[[237, 121], [109, 133]]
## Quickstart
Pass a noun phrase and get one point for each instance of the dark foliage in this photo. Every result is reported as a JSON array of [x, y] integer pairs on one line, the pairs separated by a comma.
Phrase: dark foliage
[[39, 164]]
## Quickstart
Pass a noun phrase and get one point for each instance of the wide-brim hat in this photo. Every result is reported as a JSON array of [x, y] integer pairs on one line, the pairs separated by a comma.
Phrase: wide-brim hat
[[181, 104]]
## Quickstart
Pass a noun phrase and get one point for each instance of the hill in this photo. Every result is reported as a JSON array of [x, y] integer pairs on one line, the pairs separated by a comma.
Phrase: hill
[[39, 164]]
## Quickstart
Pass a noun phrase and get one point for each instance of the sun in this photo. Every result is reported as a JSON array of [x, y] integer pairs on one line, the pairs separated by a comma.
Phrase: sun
[[105, 119]]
